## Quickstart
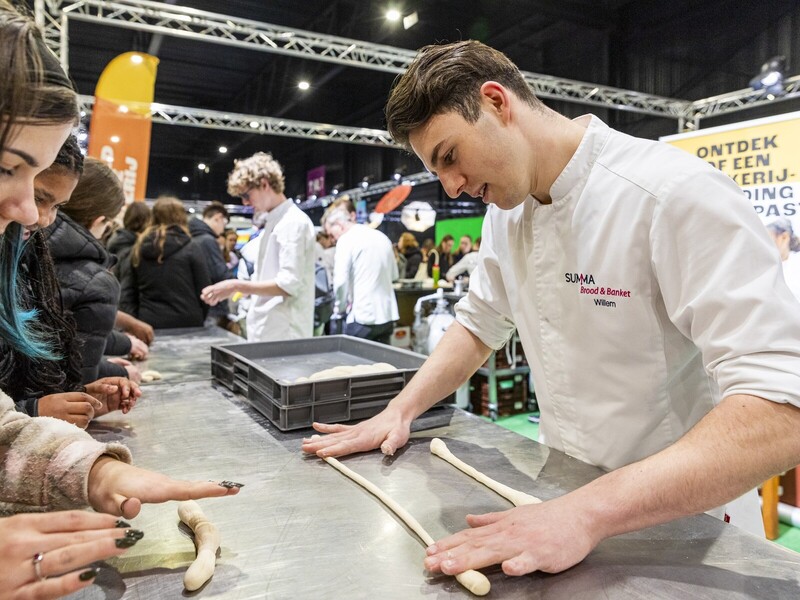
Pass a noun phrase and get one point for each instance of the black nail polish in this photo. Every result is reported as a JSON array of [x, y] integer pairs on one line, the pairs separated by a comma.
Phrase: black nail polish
[[230, 484], [89, 574], [136, 534], [125, 542], [122, 524]]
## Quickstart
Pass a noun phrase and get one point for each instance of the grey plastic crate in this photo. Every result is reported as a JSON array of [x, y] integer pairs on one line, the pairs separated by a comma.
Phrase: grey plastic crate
[[265, 373]]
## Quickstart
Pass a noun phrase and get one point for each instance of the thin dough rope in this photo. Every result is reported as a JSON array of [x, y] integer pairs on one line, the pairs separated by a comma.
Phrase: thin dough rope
[[517, 498], [474, 581]]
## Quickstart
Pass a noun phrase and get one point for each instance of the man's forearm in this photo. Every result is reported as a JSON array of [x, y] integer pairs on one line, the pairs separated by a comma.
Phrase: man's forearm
[[457, 356], [260, 288], [738, 445]]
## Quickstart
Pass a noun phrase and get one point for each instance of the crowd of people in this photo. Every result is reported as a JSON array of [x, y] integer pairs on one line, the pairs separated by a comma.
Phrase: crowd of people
[[58, 317]]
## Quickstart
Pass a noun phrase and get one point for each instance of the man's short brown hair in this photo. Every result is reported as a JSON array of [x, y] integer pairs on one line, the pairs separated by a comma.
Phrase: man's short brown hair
[[448, 77]]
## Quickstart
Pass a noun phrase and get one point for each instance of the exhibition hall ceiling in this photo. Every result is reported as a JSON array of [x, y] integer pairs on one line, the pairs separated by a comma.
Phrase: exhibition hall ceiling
[[683, 49]]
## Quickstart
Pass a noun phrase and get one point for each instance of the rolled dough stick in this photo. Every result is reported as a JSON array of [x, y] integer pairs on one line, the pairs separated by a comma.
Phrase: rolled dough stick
[[517, 498], [474, 581], [150, 375], [206, 539]]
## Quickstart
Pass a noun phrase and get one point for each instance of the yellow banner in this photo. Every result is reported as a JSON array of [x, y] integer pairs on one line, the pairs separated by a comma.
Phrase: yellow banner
[[762, 156]]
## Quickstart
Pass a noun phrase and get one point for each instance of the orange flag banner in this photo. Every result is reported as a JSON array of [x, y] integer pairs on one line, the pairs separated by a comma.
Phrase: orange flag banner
[[119, 133]]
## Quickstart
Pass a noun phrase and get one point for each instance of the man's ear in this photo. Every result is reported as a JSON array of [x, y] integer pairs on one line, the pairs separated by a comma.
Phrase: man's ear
[[497, 98]]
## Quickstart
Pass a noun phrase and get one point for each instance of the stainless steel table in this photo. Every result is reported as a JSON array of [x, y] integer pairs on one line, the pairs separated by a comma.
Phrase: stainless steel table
[[299, 529], [184, 354]]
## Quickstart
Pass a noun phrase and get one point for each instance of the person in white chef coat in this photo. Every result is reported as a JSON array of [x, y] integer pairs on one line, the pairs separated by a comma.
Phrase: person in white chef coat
[[281, 288], [364, 268], [647, 295]]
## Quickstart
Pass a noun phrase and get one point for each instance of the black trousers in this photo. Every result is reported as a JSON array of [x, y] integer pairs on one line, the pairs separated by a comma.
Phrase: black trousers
[[378, 333]]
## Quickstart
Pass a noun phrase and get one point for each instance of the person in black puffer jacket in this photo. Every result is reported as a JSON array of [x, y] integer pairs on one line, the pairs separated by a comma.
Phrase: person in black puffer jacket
[[162, 281], [88, 288]]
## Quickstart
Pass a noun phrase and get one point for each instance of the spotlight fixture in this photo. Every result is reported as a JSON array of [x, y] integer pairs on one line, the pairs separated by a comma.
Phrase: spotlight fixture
[[337, 188], [398, 173], [393, 15], [223, 149], [410, 20], [185, 179], [254, 125], [366, 181], [201, 166], [303, 85], [770, 79]]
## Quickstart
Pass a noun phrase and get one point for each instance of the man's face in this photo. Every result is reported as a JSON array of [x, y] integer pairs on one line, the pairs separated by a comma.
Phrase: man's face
[[217, 223], [465, 246], [480, 159], [262, 198]]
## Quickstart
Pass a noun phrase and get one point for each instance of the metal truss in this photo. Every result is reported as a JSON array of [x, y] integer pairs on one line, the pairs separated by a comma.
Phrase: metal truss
[[212, 119], [188, 23], [741, 99]]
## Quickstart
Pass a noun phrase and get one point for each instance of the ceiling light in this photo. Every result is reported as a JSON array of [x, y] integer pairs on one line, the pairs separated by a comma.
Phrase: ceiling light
[[223, 149], [185, 179], [303, 85], [114, 139], [393, 15], [770, 79], [201, 166]]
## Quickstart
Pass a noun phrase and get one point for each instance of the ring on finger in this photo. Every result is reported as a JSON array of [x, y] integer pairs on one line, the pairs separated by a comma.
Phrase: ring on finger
[[37, 566]]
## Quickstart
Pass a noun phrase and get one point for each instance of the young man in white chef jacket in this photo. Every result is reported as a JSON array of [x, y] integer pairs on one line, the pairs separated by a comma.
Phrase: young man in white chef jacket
[[281, 288], [647, 295]]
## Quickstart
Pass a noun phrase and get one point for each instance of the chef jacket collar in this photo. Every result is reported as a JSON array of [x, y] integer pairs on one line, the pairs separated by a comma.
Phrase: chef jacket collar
[[582, 162]]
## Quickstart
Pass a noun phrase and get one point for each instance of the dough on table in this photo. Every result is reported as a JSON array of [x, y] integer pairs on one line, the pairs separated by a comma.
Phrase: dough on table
[[150, 375], [347, 371]]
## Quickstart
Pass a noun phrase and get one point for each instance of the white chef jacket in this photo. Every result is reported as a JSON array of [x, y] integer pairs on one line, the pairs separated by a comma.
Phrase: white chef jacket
[[791, 273], [643, 294], [363, 270], [285, 256]]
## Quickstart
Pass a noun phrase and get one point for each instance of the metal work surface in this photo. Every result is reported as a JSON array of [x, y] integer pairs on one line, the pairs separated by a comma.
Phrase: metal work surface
[[299, 529], [184, 354]]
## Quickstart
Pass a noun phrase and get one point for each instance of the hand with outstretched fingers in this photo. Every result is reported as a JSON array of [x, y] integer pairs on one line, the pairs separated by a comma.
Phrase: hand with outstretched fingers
[[386, 430], [118, 488]]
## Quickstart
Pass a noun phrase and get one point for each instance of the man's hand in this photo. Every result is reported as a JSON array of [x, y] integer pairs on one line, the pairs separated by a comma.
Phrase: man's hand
[[114, 393], [214, 294], [549, 537], [139, 349], [120, 489], [74, 407], [386, 430]]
